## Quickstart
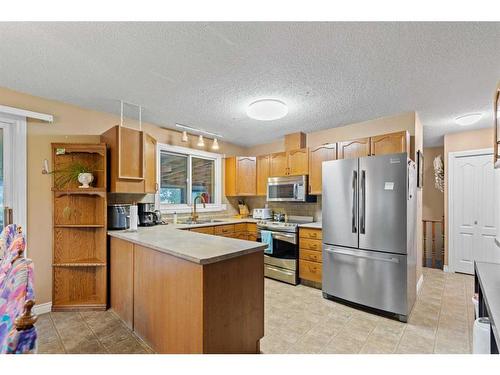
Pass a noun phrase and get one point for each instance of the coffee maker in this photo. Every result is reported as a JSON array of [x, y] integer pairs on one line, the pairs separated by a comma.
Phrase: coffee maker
[[148, 216]]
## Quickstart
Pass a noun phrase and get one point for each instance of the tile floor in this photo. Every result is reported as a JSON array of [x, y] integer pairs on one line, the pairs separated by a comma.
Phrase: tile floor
[[299, 320]]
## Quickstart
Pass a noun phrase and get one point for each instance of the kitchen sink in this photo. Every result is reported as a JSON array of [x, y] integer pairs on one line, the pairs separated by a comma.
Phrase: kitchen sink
[[201, 221]]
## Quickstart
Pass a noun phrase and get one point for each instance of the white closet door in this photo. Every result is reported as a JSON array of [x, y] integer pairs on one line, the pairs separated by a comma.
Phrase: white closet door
[[473, 212]]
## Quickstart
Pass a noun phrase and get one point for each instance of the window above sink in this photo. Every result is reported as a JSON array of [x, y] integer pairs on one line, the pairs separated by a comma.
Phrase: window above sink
[[183, 174]]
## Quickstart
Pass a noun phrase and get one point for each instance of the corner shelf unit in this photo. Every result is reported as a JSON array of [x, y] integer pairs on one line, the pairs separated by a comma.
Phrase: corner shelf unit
[[79, 266]]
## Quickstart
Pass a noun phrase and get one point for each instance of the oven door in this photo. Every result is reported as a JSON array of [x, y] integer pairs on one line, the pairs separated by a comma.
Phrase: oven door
[[285, 250]]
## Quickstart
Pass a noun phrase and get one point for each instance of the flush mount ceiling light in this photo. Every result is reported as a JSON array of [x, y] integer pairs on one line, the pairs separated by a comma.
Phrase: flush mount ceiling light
[[267, 109], [468, 119]]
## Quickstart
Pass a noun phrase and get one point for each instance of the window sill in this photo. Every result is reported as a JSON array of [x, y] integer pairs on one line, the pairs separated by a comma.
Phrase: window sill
[[181, 209]]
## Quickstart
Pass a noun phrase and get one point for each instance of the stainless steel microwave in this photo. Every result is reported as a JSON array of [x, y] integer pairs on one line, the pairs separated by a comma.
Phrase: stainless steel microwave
[[288, 189]]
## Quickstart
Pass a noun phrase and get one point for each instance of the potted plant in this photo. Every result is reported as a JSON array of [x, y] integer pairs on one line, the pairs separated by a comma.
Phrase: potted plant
[[75, 172]]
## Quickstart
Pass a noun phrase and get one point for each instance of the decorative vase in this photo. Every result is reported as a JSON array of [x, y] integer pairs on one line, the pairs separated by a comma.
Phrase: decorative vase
[[85, 179]]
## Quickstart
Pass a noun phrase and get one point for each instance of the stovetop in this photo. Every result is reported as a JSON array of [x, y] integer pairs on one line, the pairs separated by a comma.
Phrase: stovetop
[[292, 225]]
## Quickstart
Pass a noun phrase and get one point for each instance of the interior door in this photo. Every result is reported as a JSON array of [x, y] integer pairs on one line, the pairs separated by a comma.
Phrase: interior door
[[473, 212], [340, 202]]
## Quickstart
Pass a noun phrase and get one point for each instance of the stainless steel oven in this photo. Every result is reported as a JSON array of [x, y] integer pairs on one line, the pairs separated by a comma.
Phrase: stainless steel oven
[[288, 189], [282, 263]]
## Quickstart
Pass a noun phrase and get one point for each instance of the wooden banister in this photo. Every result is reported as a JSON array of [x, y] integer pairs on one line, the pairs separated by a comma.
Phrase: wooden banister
[[27, 320], [434, 256]]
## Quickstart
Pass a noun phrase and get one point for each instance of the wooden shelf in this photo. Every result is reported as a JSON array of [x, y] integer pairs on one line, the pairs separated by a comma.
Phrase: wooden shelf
[[79, 226], [91, 190], [79, 269], [81, 264]]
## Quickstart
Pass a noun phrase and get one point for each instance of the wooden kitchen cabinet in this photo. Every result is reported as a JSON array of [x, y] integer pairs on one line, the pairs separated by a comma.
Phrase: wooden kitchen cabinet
[[241, 176], [263, 173], [392, 143], [298, 162], [316, 158], [355, 148], [310, 256], [278, 164], [289, 163], [121, 258], [132, 160]]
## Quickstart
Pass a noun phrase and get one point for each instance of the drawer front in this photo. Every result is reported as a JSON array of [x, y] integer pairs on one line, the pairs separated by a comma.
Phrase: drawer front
[[308, 244], [311, 233], [206, 230], [224, 229], [240, 227], [252, 237], [310, 270], [252, 227], [311, 255]]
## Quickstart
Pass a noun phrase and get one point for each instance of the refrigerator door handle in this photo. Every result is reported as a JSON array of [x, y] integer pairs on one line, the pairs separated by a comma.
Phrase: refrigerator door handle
[[353, 254], [354, 200], [362, 219]]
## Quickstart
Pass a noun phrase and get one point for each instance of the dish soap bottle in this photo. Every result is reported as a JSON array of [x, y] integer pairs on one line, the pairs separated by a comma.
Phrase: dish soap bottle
[[175, 217]]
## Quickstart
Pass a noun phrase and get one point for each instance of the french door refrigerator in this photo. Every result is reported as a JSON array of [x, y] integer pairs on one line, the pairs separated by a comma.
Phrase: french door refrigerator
[[369, 223]]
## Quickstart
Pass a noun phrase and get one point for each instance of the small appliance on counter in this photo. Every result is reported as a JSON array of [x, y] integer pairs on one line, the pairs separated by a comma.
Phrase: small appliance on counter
[[148, 216], [118, 216], [262, 213]]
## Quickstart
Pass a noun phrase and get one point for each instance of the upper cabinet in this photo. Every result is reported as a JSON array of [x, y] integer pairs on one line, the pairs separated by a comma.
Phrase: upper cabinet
[[132, 160], [390, 143], [262, 173], [316, 158], [289, 163], [241, 176], [278, 164], [355, 148]]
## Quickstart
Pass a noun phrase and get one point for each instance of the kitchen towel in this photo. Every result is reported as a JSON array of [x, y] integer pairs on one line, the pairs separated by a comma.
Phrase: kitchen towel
[[267, 238]]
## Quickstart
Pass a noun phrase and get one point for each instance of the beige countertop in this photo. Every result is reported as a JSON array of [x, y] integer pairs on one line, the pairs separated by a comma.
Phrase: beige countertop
[[315, 225], [194, 247]]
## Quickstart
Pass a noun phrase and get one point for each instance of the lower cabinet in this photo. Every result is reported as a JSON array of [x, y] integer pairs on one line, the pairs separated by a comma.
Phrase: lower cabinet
[[310, 256], [121, 282], [240, 231]]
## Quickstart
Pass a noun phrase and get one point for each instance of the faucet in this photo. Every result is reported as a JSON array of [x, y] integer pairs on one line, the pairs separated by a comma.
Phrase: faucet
[[194, 217]]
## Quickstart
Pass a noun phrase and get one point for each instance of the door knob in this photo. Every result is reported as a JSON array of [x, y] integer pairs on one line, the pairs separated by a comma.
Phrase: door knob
[[475, 222]]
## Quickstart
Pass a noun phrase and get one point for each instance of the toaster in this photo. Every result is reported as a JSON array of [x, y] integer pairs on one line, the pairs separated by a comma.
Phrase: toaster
[[262, 213]]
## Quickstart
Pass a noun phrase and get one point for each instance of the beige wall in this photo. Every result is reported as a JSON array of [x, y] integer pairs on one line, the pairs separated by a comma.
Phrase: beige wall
[[433, 199], [71, 124], [464, 141]]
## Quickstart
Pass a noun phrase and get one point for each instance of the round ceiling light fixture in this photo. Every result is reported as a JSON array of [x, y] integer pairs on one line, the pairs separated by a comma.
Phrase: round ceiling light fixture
[[468, 119], [267, 109]]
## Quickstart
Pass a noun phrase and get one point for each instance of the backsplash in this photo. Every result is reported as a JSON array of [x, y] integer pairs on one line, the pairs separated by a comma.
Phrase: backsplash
[[294, 209], [290, 208]]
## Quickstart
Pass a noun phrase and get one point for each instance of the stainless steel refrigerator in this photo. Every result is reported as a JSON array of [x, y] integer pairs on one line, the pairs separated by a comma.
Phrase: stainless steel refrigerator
[[369, 223]]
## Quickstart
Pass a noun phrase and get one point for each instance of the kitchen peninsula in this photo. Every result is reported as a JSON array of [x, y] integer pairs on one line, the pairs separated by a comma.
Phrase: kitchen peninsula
[[188, 292]]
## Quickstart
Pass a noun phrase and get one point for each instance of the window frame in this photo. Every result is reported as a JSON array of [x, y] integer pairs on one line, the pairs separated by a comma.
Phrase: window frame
[[190, 153]]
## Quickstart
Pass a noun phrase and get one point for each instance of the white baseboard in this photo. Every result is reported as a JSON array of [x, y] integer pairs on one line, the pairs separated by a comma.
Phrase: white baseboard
[[42, 308], [419, 283]]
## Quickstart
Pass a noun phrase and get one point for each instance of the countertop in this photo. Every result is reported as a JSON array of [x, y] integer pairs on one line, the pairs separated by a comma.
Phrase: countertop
[[315, 225], [195, 247], [488, 275]]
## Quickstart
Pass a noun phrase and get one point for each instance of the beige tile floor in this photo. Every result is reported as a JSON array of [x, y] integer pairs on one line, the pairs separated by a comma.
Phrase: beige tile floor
[[299, 320]]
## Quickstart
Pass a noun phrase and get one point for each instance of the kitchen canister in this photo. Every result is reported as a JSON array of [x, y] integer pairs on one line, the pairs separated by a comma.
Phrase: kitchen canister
[[481, 336]]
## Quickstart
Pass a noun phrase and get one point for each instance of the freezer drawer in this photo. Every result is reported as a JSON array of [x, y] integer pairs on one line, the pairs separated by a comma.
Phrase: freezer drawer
[[369, 278]]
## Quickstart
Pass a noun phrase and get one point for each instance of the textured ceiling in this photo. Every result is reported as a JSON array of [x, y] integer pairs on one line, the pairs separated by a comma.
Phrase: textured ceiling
[[205, 74]]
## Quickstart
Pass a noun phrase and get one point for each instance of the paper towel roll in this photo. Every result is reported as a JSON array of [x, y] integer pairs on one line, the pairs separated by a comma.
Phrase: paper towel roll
[[134, 218], [481, 336]]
